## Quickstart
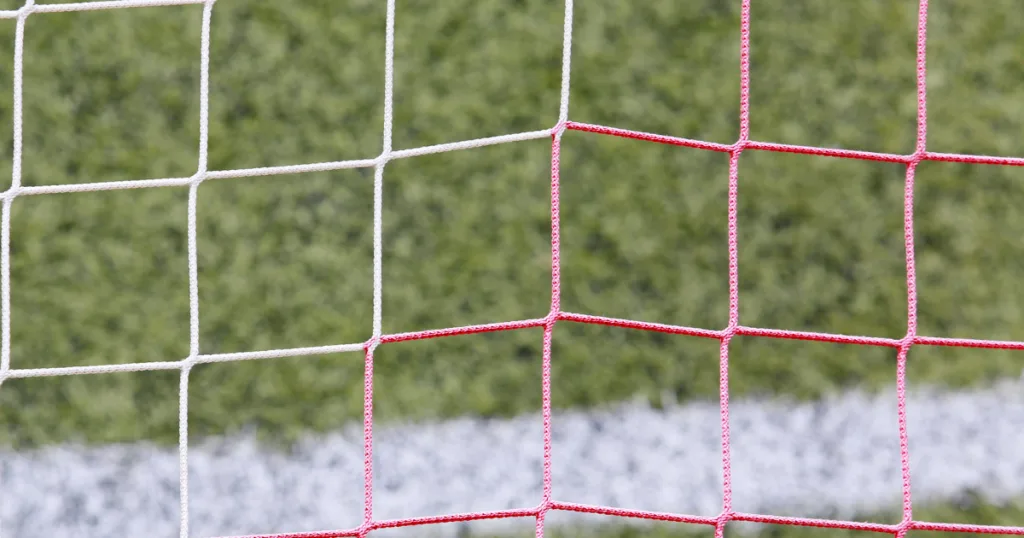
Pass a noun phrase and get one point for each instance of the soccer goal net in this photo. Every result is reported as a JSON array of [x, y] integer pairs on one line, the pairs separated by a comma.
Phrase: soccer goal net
[[547, 503]]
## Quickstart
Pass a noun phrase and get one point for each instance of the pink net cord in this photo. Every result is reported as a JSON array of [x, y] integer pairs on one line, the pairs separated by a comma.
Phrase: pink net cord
[[724, 336]]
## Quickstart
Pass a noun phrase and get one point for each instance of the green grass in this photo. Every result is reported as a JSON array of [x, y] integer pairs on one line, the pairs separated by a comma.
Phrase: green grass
[[102, 278]]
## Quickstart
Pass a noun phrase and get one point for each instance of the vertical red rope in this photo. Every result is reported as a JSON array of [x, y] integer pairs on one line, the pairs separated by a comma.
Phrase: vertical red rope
[[734, 272], [908, 237], [549, 327], [367, 441]]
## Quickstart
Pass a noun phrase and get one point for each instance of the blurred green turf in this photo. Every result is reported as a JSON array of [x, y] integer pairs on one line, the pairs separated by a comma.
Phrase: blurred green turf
[[285, 261]]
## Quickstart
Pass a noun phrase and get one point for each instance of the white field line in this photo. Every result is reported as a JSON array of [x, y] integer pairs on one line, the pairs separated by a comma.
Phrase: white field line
[[831, 458]]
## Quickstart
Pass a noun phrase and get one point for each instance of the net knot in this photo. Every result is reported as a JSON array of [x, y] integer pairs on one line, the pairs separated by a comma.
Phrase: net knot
[[559, 128], [552, 317]]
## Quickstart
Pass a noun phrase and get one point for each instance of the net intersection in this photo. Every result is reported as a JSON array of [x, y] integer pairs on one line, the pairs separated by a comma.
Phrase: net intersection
[[548, 501]]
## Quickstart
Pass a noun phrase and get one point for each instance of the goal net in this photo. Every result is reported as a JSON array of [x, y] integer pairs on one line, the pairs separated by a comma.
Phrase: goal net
[[547, 503]]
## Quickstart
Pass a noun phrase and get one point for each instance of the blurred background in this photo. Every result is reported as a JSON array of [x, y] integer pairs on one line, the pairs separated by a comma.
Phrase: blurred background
[[286, 261]]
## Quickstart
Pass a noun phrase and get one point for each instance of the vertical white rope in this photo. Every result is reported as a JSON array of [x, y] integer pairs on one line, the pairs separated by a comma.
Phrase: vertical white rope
[[5, 233], [563, 107], [389, 75], [5, 260], [5, 237], [378, 172], [5, 217], [378, 249], [193, 277], [19, 73], [183, 449], [204, 88], [193, 194], [193, 266]]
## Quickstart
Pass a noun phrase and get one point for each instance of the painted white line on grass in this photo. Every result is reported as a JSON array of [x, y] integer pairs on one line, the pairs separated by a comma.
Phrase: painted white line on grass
[[830, 458]]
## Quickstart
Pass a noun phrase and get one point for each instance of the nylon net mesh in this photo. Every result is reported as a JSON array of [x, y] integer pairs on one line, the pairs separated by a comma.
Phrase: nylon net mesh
[[547, 503]]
